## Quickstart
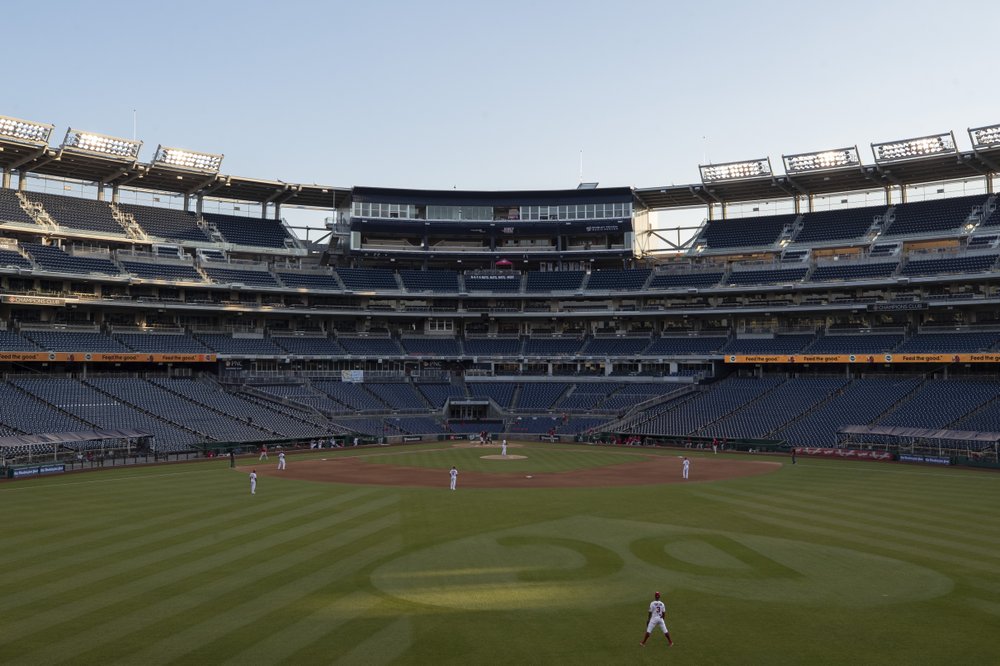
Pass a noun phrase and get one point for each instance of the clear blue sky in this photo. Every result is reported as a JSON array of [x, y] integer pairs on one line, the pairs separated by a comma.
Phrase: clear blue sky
[[502, 95]]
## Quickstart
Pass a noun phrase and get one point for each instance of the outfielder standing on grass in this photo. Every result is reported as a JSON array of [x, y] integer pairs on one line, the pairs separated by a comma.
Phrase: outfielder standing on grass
[[657, 610]]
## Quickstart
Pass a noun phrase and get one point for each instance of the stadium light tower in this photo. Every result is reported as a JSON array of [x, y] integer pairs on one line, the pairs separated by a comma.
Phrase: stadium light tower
[[837, 158], [985, 137], [24, 131], [101, 144], [714, 173], [908, 149], [187, 160]]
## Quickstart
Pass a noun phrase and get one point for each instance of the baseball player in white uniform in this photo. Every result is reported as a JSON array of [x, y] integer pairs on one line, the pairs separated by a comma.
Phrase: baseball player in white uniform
[[253, 482], [685, 468], [657, 611], [503, 448], [281, 460], [454, 477]]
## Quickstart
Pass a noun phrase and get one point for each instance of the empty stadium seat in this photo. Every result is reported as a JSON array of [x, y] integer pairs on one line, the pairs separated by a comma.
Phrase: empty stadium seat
[[745, 232], [166, 223], [76, 213], [618, 280], [433, 281], [685, 280], [250, 231], [541, 282], [845, 224], [940, 215]]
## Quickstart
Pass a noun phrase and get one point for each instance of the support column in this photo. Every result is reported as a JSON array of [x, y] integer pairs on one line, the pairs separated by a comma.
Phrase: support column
[[6, 179], [22, 180]]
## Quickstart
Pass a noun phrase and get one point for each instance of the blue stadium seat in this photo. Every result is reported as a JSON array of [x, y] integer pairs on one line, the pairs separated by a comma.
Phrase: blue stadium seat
[[167, 272], [845, 224], [685, 280], [51, 258], [542, 282], [250, 231], [618, 280], [166, 223], [745, 232], [941, 215], [368, 279], [848, 272], [433, 281], [76, 213]]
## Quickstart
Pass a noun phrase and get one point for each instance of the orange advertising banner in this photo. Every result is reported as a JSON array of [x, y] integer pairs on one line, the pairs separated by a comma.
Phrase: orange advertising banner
[[85, 357], [760, 359]]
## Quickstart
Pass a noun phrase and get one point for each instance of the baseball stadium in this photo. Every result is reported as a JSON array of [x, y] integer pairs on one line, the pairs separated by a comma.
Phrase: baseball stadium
[[827, 372], [393, 334]]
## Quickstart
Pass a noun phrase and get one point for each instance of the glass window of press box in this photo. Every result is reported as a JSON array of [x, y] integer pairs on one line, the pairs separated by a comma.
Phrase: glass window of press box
[[601, 211]]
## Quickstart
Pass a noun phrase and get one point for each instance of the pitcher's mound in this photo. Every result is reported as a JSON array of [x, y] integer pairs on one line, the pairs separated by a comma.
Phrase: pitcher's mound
[[499, 457]]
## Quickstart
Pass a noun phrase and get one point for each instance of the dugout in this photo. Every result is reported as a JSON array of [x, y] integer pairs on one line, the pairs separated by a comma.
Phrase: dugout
[[969, 444], [74, 448]]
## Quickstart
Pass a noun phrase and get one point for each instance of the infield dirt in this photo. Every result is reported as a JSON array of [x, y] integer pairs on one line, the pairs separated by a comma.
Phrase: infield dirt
[[653, 470]]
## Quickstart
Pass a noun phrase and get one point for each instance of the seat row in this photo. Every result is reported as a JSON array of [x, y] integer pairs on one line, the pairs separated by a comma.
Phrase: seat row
[[278, 344]]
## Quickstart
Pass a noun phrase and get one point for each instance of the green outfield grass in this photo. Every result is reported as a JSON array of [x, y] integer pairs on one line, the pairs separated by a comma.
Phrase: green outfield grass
[[826, 562]]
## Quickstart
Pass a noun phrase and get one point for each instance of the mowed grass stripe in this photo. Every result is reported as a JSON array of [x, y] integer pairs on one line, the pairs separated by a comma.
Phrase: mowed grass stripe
[[97, 527], [856, 521], [912, 516], [115, 535], [232, 620], [178, 547], [957, 487], [957, 524], [166, 593], [291, 631], [938, 503], [385, 645], [875, 544], [328, 629], [113, 558], [115, 505]]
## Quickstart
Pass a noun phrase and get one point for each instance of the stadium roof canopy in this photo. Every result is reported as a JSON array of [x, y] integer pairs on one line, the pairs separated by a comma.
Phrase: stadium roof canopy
[[24, 145], [491, 198], [68, 437], [921, 170], [922, 433], [63, 162]]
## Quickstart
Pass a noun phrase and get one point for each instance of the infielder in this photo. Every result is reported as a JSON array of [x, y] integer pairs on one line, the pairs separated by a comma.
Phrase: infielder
[[281, 460], [503, 448], [454, 476], [253, 482], [655, 619], [263, 453], [685, 468]]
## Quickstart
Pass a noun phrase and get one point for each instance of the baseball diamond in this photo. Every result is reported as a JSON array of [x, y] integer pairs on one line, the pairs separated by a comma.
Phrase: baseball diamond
[[474, 333]]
